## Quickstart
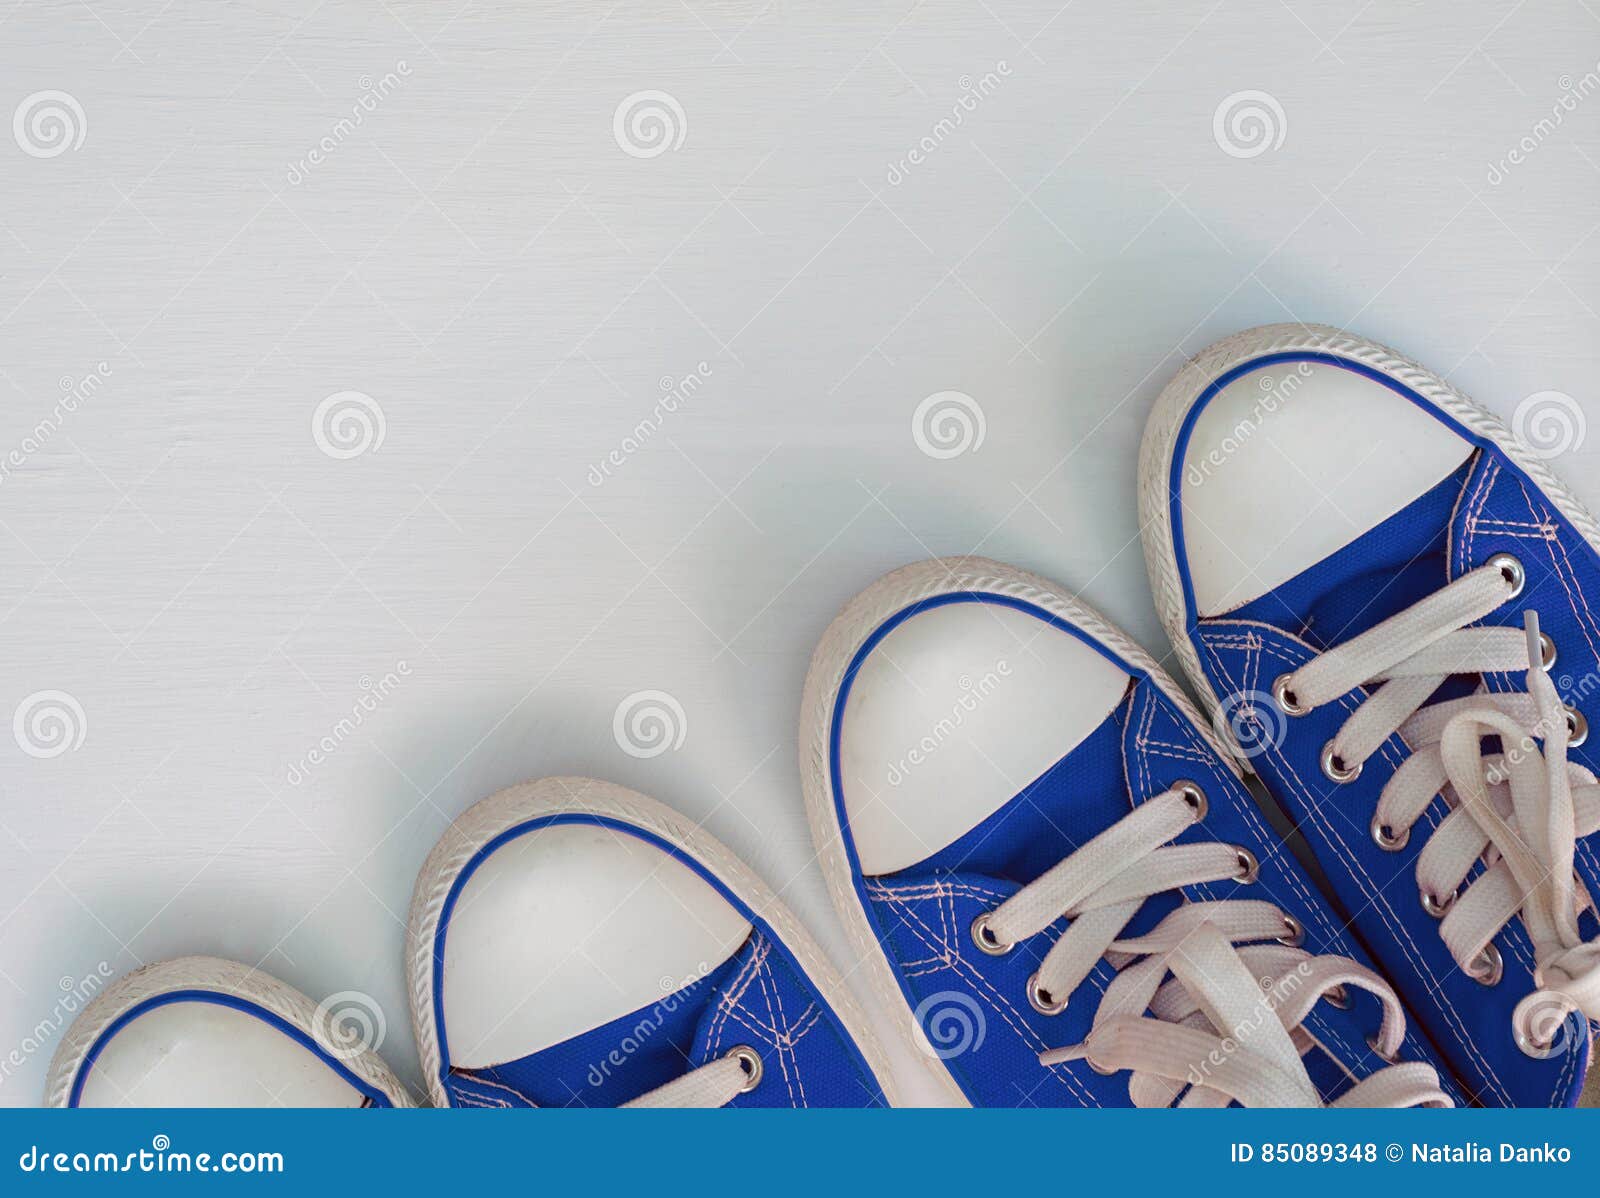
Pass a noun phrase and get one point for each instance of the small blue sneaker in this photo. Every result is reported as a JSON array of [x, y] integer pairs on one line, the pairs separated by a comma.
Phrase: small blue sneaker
[[203, 1032], [1050, 867], [1383, 596], [574, 943]]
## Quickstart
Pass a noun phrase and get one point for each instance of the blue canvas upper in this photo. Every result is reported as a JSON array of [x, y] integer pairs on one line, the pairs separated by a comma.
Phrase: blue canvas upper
[[759, 998], [974, 1007], [1488, 506]]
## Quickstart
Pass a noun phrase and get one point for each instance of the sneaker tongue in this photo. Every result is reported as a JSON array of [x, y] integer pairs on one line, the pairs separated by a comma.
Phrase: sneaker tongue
[[1385, 570], [1079, 796], [615, 1062], [1076, 799]]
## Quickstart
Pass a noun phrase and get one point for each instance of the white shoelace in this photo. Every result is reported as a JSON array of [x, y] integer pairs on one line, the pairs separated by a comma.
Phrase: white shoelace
[[714, 1084], [1520, 811], [1229, 1023]]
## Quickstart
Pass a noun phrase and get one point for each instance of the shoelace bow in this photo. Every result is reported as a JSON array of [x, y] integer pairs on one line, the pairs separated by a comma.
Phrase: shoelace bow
[[1519, 811], [1228, 1024], [714, 1084]]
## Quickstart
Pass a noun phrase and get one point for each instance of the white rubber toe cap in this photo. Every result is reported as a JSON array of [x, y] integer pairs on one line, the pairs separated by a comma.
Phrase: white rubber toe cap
[[568, 927], [202, 1054], [954, 712], [1293, 461]]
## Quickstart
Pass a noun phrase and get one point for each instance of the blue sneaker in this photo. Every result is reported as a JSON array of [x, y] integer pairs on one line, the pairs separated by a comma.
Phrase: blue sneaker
[[203, 1032], [574, 943], [1049, 866], [1383, 596]]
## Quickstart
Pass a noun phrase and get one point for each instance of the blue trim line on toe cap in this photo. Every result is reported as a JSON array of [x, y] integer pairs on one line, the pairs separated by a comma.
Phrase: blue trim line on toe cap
[[378, 1097], [672, 850], [836, 731], [1490, 1071], [836, 721], [1191, 617]]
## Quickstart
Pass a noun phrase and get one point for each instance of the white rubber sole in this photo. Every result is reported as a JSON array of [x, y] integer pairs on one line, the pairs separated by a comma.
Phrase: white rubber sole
[[487, 819], [859, 619], [1178, 398], [217, 976]]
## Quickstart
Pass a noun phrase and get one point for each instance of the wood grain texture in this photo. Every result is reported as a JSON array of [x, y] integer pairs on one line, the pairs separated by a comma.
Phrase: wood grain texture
[[475, 252]]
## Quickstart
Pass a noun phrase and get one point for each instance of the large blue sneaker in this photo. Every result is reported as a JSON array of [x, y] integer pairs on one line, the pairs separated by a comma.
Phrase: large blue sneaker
[[1386, 600], [1050, 868], [574, 943], [204, 1032]]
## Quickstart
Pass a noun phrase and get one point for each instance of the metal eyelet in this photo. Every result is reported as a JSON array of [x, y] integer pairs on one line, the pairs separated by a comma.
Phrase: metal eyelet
[[1334, 767], [983, 936], [1284, 697], [1547, 653], [1387, 839], [1531, 1047], [1538, 1049], [1372, 1043], [1577, 727], [1511, 570], [1041, 1000], [1249, 867], [1339, 997], [750, 1062], [1487, 968], [1296, 932], [1194, 796], [1437, 907]]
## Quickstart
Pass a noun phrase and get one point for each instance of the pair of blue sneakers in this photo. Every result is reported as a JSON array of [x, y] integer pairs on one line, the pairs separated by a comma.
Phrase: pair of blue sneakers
[[570, 943], [1058, 886], [1049, 860]]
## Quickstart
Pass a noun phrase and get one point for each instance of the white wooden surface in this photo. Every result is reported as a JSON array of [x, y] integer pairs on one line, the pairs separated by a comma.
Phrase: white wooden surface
[[480, 257]]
